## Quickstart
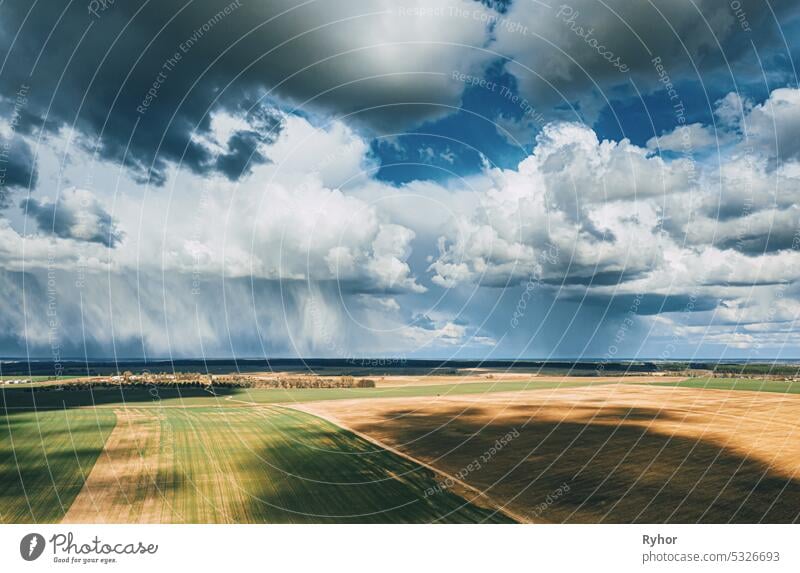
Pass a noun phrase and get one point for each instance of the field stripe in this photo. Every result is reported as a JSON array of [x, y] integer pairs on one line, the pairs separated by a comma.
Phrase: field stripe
[[122, 485]]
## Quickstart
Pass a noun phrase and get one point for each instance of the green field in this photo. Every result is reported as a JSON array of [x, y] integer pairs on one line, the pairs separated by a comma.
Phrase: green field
[[31, 378], [44, 457], [779, 386], [274, 465], [279, 396], [209, 465]]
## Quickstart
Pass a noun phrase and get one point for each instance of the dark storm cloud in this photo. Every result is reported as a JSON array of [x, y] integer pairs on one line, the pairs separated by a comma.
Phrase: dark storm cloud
[[755, 244], [651, 303], [17, 167], [760, 232], [134, 314], [95, 73], [75, 215], [742, 283], [139, 79], [573, 50], [602, 278], [241, 156]]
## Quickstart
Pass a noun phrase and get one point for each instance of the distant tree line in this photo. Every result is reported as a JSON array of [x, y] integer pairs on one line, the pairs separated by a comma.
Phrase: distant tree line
[[208, 381]]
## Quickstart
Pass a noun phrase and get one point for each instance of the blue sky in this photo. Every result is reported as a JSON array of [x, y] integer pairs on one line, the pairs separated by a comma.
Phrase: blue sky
[[442, 179]]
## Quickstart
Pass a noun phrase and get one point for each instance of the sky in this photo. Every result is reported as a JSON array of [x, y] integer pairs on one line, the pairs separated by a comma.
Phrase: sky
[[406, 179]]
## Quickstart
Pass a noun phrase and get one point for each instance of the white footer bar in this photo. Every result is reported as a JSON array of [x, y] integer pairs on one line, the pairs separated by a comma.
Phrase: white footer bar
[[400, 548]]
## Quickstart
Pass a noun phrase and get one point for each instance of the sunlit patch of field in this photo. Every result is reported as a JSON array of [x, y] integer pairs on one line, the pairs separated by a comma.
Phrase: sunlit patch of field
[[499, 377], [281, 396], [253, 465], [742, 384], [626, 453]]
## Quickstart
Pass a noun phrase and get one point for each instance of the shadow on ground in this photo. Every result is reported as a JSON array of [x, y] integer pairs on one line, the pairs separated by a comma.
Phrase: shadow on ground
[[617, 469], [13, 400]]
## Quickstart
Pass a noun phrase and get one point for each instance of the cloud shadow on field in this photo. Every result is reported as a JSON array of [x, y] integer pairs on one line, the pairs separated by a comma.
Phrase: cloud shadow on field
[[43, 462], [310, 471], [617, 468], [18, 400]]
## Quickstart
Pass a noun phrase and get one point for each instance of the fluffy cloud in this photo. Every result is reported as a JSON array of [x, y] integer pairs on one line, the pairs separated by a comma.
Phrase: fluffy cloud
[[713, 241], [75, 214], [774, 125], [573, 210], [747, 198], [690, 137], [613, 211], [286, 223]]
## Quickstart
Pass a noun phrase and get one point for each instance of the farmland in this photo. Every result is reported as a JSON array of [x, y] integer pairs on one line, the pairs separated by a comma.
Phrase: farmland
[[252, 465], [178, 396], [407, 391], [44, 458], [412, 449], [611, 453], [744, 384], [210, 465]]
